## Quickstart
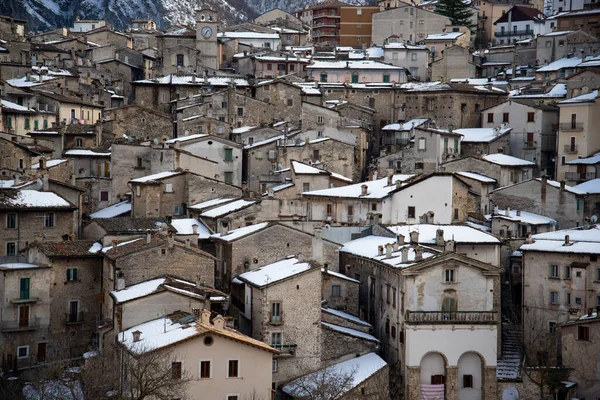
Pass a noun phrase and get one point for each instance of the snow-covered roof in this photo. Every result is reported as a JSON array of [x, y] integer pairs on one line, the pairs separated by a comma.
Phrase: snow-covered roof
[[558, 91], [476, 176], [595, 159], [157, 334], [361, 368], [523, 217], [584, 240], [457, 233], [507, 161], [375, 189], [173, 79], [112, 211], [557, 184], [266, 141], [570, 62], [227, 208], [185, 226], [301, 168], [186, 138], [243, 129], [210, 203], [248, 35], [584, 98], [138, 290], [35, 199], [396, 46], [49, 164], [9, 105], [107, 248], [274, 272], [368, 247], [155, 177], [34, 80], [338, 275], [481, 135], [350, 332], [345, 315], [478, 226], [444, 36], [279, 187], [341, 177], [9, 266], [405, 126], [82, 152], [582, 234], [591, 187], [356, 64], [240, 232]]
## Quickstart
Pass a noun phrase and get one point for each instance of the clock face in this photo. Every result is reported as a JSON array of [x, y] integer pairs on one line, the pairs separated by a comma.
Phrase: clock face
[[206, 31]]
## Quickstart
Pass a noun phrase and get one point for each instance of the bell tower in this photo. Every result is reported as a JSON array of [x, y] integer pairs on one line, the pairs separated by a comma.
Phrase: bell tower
[[207, 22]]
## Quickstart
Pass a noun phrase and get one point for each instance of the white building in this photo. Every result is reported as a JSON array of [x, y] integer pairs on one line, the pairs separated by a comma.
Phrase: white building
[[519, 23], [415, 58], [86, 25], [256, 39]]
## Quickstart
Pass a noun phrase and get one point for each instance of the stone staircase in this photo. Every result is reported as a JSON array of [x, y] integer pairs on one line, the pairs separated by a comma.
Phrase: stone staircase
[[508, 367]]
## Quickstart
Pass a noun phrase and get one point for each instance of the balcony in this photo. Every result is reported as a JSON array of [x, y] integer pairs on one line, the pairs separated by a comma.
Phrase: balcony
[[529, 145], [20, 325], [524, 32], [451, 317], [285, 349], [270, 178], [570, 148], [571, 126], [74, 318], [326, 25], [580, 176]]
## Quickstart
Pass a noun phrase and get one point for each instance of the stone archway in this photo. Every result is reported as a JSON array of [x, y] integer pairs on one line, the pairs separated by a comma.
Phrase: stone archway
[[433, 375]]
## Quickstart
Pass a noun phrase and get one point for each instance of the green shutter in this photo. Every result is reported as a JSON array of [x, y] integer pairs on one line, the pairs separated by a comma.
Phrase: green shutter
[[228, 154], [26, 123], [36, 125], [9, 122], [45, 124], [24, 292]]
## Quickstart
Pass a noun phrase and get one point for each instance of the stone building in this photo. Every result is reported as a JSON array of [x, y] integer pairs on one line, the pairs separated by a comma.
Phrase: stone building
[[122, 229], [478, 141], [340, 296], [505, 169], [429, 148], [93, 173], [244, 249], [61, 170], [270, 64], [553, 46], [136, 122], [454, 62], [413, 57], [74, 290], [356, 71], [544, 197], [15, 159]]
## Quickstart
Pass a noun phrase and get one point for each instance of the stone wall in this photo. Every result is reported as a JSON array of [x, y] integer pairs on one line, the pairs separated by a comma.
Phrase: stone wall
[[336, 346]]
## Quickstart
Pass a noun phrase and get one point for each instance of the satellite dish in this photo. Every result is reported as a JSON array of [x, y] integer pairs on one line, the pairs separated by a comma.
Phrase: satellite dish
[[594, 219]]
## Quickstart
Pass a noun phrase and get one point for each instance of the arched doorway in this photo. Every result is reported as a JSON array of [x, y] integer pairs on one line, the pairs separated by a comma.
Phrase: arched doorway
[[510, 393], [470, 377], [433, 376]]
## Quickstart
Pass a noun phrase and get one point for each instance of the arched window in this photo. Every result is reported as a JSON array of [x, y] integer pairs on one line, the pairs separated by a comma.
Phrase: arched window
[[449, 304]]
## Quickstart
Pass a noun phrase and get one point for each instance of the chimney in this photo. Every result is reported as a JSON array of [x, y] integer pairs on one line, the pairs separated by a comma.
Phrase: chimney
[[400, 238], [529, 239], [418, 253], [148, 236], [188, 243], [73, 180], [567, 240], [518, 213], [45, 183], [317, 246], [398, 184], [170, 241], [388, 250], [219, 322], [414, 237], [270, 193], [449, 246], [395, 246], [42, 163], [562, 186], [450, 128], [545, 180], [404, 252], [115, 246], [380, 250], [363, 190], [375, 175], [390, 179], [507, 212], [439, 237], [205, 317], [136, 336], [195, 229]]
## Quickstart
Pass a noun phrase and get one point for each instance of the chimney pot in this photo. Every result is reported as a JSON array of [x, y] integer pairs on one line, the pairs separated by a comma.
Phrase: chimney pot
[[45, 183], [205, 317], [414, 237], [136, 336], [398, 184], [404, 252], [170, 241], [518, 213], [195, 229], [400, 238], [380, 250], [567, 240], [219, 322], [388, 250], [507, 212], [418, 253], [364, 190], [439, 237], [562, 185]]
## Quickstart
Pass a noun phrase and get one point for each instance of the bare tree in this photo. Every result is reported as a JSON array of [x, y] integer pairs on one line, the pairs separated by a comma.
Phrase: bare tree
[[540, 361], [150, 374], [325, 384]]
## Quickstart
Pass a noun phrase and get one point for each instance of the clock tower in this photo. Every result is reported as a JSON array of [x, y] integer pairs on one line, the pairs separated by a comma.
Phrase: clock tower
[[206, 38]]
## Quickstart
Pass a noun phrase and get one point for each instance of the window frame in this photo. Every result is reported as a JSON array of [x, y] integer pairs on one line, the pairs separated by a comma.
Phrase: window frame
[[337, 288], [26, 347], [583, 329], [52, 217], [237, 368], [554, 298], [15, 221], [72, 274], [180, 370], [554, 274], [210, 368], [450, 275]]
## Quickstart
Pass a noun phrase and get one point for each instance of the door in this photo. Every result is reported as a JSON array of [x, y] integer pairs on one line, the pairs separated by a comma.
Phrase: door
[[23, 316], [573, 143], [41, 352], [573, 121], [530, 138]]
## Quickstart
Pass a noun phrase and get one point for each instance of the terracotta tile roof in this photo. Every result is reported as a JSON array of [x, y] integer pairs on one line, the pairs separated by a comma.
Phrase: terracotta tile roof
[[64, 249], [129, 224]]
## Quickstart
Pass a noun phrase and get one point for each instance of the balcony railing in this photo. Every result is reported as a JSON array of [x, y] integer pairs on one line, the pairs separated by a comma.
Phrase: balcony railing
[[276, 319], [580, 176], [451, 317], [570, 148], [74, 318], [20, 325], [571, 126], [529, 144], [287, 349], [514, 33], [326, 25]]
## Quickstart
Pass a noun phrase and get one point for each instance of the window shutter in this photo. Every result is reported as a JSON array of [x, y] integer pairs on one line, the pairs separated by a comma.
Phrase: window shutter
[[75, 277]]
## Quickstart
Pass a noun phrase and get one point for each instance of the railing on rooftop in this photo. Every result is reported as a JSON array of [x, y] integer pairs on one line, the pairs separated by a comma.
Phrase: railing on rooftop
[[451, 317]]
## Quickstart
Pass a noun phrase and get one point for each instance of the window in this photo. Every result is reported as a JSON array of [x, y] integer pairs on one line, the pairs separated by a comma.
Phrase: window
[[336, 291], [316, 155], [274, 365], [413, 57], [269, 68], [228, 178], [306, 186], [554, 271], [386, 78], [330, 210], [180, 60], [422, 144], [320, 119], [276, 339], [358, 11], [583, 333], [490, 118], [71, 274], [418, 165], [23, 352], [553, 297], [176, 370], [449, 275], [290, 102], [27, 123], [530, 117], [568, 299], [11, 249], [456, 213], [552, 327], [45, 124], [205, 369], [104, 196], [36, 125], [79, 142], [323, 76], [467, 381], [275, 312], [9, 122], [228, 154], [233, 369], [73, 314], [393, 332], [168, 188], [373, 206], [233, 397], [240, 111], [387, 326], [567, 272], [138, 191], [394, 297], [24, 284], [411, 212], [355, 78], [505, 117], [597, 274], [49, 220], [388, 292], [11, 221]]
